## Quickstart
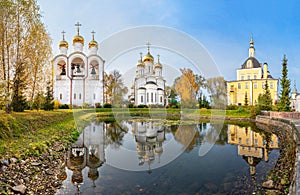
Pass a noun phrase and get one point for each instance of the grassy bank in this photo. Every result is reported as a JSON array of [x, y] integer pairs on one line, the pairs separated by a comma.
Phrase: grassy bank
[[31, 132]]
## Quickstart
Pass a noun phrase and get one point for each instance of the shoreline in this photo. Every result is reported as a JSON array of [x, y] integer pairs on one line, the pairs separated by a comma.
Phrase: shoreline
[[40, 174]]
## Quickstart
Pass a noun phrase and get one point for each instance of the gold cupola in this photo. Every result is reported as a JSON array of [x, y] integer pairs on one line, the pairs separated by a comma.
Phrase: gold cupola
[[140, 62], [158, 64], [148, 57], [63, 43], [78, 38], [93, 43]]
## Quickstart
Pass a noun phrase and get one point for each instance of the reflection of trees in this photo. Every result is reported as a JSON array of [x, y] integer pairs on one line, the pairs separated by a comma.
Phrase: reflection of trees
[[185, 134], [115, 133]]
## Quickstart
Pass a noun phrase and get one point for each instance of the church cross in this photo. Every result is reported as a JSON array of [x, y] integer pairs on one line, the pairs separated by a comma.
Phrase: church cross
[[78, 26], [93, 34], [141, 54], [148, 45], [158, 57], [63, 33]]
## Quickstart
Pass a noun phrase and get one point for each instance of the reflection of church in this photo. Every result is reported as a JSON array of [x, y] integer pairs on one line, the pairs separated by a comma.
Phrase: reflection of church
[[88, 151], [78, 77], [149, 137], [252, 146]]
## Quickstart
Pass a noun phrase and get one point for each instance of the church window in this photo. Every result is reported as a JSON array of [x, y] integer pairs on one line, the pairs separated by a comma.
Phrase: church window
[[255, 85], [249, 64], [151, 97], [74, 96], [142, 99], [247, 141], [239, 85], [248, 77], [60, 96], [147, 97], [256, 141], [155, 98], [249, 149], [160, 99], [263, 85], [80, 96], [242, 77], [240, 140], [271, 85], [246, 85], [149, 69], [255, 76], [94, 96]]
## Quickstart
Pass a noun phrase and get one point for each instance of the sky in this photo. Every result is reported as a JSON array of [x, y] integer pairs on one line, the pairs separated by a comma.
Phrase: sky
[[223, 28]]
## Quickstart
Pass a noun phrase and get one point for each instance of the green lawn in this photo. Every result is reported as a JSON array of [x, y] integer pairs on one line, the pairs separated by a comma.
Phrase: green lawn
[[32, 132]]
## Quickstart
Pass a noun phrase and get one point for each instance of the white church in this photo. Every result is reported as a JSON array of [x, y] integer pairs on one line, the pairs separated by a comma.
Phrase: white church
[[149, 85], [78, 77]]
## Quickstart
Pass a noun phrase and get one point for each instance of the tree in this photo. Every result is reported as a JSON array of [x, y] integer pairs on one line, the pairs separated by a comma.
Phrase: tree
[[284, 102], [19, 86], [265, 99], [49, 104], [188, 87], [246, 99], [171, 94], [39, 101], [216, 86], [114, 87], [23, 38]]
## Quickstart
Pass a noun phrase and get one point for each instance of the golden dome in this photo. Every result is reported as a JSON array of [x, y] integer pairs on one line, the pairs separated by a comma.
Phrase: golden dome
[[158, 65], [140, 63], [63, 43], [93, 43], [148, 57], [78, 39]]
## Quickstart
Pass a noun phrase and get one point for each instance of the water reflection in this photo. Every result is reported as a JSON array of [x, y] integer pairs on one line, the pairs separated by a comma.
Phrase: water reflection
[[142, 145], [87, 151], [253, 146]]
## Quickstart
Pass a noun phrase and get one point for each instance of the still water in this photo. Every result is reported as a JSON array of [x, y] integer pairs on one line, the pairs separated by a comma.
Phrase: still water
[[136, 157]]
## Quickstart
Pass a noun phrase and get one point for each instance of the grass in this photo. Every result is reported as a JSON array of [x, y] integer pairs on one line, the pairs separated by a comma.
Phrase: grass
[[32, 132]]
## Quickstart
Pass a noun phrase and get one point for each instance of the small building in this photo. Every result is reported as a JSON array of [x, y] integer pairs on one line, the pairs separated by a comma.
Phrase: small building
[[250, 81], [295, 99], [149, 85], [78, 77]]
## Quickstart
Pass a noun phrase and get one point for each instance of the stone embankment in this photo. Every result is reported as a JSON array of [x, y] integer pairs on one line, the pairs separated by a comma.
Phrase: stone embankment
[[285, 177]]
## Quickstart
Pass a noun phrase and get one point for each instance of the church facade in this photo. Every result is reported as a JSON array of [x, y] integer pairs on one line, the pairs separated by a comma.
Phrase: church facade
[[295, 99], [250, 81], [149, 85], [78, 77]]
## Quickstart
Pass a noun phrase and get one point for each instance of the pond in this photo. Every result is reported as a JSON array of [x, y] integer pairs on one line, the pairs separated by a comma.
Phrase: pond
[[147, 157]]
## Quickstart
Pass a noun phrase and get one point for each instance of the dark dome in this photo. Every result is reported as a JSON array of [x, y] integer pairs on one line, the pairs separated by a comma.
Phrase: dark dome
[[255, 63], [151, 82]]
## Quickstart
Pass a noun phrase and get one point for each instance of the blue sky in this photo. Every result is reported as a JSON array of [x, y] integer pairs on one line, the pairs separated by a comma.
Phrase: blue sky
[[222, 27]]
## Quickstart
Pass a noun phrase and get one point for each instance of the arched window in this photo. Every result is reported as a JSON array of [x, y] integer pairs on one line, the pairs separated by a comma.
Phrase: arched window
[[80, 96], [160, 99], [142, 99], [60, 96]]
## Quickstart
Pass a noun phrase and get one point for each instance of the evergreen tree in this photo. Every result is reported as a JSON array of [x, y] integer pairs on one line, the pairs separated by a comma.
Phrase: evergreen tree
[[265, 99], [246, 99], [19, 86], [38, 101], [284, 102], [49, 104]]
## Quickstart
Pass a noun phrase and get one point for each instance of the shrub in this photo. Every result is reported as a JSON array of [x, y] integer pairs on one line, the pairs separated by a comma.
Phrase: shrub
[[254, 111], [142, 106], [64, 106], [86, 105], [98, 105], [130, 105], [56, 104], [232, 107], [106, 105]]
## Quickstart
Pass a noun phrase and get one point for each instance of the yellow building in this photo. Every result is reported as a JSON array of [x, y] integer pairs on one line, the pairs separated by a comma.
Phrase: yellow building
[[250, 81], [252, 146]]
